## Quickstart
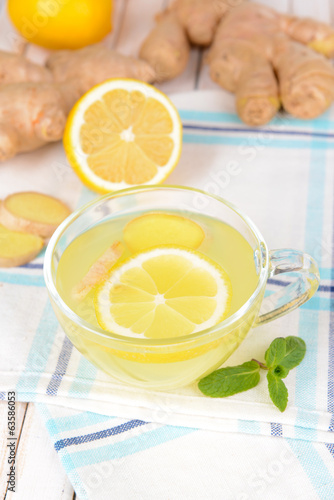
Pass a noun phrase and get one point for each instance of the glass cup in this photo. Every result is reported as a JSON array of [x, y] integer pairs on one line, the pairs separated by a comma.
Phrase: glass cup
[[169, 363]]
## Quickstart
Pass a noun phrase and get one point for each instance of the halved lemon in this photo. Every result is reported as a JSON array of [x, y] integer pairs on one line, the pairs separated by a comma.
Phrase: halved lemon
[[163, 293], [123, 133], [156, 229]]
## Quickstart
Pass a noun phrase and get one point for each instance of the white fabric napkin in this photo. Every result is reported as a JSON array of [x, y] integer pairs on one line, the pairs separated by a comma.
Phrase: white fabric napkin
[[282, 178]]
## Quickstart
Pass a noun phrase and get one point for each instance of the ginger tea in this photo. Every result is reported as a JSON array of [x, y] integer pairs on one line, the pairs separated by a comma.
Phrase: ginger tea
[[171, 276]]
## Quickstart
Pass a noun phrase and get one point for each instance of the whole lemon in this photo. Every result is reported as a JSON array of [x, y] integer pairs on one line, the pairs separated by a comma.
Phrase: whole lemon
[[61, 24]]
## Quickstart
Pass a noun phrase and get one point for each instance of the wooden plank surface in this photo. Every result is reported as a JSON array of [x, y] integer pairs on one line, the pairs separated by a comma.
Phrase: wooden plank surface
[[20, 411], [40, 474], [9, 37], [321, 10]]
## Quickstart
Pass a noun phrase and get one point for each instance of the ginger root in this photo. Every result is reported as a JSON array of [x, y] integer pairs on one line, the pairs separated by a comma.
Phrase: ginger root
[[200, 18], [166, 48], [84, 68], [306, 79], [317, 35], [239, 61], [17, 248], [31, 115], [98, 271], [34, 213], [35, 100], [249, 45], [15, 68], [266, 58]]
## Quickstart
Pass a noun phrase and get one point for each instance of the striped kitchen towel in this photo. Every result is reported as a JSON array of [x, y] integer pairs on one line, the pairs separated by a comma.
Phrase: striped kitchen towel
[[282, 177], [109, 457]]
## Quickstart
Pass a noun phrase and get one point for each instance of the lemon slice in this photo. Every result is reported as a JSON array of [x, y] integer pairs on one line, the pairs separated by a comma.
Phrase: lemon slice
[[123, 133], [163, 293], [156, 229]]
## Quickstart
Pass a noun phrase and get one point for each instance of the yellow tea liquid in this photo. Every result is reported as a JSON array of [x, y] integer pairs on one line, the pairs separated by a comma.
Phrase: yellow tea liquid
[[222, 244]]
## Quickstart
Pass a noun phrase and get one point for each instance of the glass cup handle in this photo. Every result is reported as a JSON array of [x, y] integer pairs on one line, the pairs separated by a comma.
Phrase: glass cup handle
[[294, 294]]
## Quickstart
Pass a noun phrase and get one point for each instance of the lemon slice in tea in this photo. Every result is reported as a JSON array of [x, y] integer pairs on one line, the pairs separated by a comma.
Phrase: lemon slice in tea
[[163, 293], [123, 133]]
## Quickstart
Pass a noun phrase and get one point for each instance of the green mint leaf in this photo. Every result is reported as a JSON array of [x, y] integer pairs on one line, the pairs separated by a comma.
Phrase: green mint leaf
[[230, 380], [295, 352], [276, 352], [280, 371], [277, 391]]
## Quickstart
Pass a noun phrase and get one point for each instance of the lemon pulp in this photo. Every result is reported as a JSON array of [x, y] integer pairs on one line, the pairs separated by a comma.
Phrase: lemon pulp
[[123, 133], [163, 293]]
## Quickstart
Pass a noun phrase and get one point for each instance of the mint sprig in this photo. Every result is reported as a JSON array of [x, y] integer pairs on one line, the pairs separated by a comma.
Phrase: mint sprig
[[282, 355], [277, 391], [276, 352], [295, 352], [231, 380]]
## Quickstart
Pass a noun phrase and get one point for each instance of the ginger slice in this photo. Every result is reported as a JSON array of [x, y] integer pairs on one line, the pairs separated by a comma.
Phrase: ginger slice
[[98, 271], [17, 248], [33, 213]]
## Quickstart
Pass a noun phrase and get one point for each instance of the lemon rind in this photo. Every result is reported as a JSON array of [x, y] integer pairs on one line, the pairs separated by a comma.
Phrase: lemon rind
[[76, 120], [102, 292]]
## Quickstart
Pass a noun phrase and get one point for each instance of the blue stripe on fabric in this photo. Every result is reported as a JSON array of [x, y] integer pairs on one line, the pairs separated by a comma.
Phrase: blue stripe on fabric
[[244, 130], [87, 438], [31, 280], [316, 192], [127, 447], [66, 459], [279, 121], [31, 265], [330, 388], [2, 396], [322, 288], [84, 379], [322, 303], [22, 279], [244, 141], [305, 396], [315, 304], [249, 427], [62, 363], [326, 288], [276, 429], [330, 448], [59, 425], [326, 273], [306, 376], [313, 465], [86, 196], [209, 116], [39, 351]]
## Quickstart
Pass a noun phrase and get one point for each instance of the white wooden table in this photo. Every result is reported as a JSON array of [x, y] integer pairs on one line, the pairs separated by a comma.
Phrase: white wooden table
[[40, 472]]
